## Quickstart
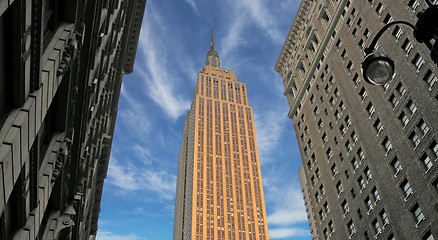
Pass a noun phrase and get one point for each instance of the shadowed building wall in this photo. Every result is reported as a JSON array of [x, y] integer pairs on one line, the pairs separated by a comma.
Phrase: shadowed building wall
[[61, 68]]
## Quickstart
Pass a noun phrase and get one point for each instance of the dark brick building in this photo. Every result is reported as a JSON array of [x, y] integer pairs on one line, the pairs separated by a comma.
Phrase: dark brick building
[[61, 68], [369, 153]]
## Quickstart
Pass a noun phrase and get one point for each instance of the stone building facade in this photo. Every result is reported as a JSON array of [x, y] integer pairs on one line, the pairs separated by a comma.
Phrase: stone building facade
[[61, 68], [369, 153]]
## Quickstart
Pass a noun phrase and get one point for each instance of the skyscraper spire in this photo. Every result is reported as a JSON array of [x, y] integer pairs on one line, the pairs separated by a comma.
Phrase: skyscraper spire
[[212, 41], [212, 56]]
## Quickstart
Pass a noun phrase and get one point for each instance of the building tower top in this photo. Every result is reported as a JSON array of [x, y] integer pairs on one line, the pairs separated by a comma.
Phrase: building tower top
[[212, 56]]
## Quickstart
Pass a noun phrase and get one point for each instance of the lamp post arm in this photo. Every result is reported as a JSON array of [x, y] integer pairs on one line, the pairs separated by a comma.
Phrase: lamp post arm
[[370, 49]]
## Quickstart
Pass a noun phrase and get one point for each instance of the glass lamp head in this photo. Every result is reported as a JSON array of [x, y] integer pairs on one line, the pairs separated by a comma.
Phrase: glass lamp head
[[377, 68]]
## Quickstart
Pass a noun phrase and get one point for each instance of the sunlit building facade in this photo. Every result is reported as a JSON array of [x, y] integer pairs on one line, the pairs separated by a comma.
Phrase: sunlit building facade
[[219, 192], [369, 153]]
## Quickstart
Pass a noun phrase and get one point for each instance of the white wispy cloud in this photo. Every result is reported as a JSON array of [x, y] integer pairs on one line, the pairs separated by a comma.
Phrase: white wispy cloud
[[104, 235], [129, 177], [269, 128], [193, 5], [156, 70], [287, 233], [260, 14]]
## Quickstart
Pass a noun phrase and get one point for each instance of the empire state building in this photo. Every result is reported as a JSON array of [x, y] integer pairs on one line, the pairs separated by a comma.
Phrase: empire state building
[[219, 192]]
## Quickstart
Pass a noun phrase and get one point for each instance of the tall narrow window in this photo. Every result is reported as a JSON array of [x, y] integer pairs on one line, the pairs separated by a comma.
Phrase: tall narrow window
[[344, 206], [403, 119], [430, 78], [414, 139], [376, 194], [407, 46], [378, 125], [370, 109], [387, 144], [411, 106], [426, 161], [418, 61], [418, 214], [396, 166], [339, 187], [406, 187], [351, 228]]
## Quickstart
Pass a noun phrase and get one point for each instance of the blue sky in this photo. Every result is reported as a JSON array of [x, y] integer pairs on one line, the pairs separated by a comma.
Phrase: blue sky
[[139, 192]]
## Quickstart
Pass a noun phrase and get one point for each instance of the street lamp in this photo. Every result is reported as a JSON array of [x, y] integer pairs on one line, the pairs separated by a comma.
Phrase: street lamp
[[378, 68]]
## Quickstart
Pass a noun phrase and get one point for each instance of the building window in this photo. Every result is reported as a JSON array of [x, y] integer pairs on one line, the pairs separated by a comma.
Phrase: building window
[[347, 121], [332, 101], [306, 151], [370, 109], [360, 22], [348, 146], [406, 187], [316, 111], [306, 130], [418, 214], [356, 79], [379, 9], [312, 99], [317, 197], [428, 236], [376, 194], [338, 43], [363, 94], [387, 19], [337, 115], [331, 227], [361, 183], [413, 4], [326, 207], [418, 61], [324, 138], [400, 89], [310, 143], [397, 32], [321, 188], [355, 164], [344, 54], [376, 226], [403, 119], [430, 78], [423, 127], [434, 147], [378, 126], [302, 137], [321, 216], [353, 136], [345, 208], [361, 154], [339, 187], [361, 43], [325, 233], [313, 180], [336, 92], [350, 66], [393, 100], [387, 145], [396, 166], [354, 32], [334, 170], [320, 124], [342, 129], [368, 174], [367, 33], [368, 204], [317, 173], [407, 46], [411, 106], [329, 153], [426, 161], [351, 228], [384, 217], [414, 139]]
